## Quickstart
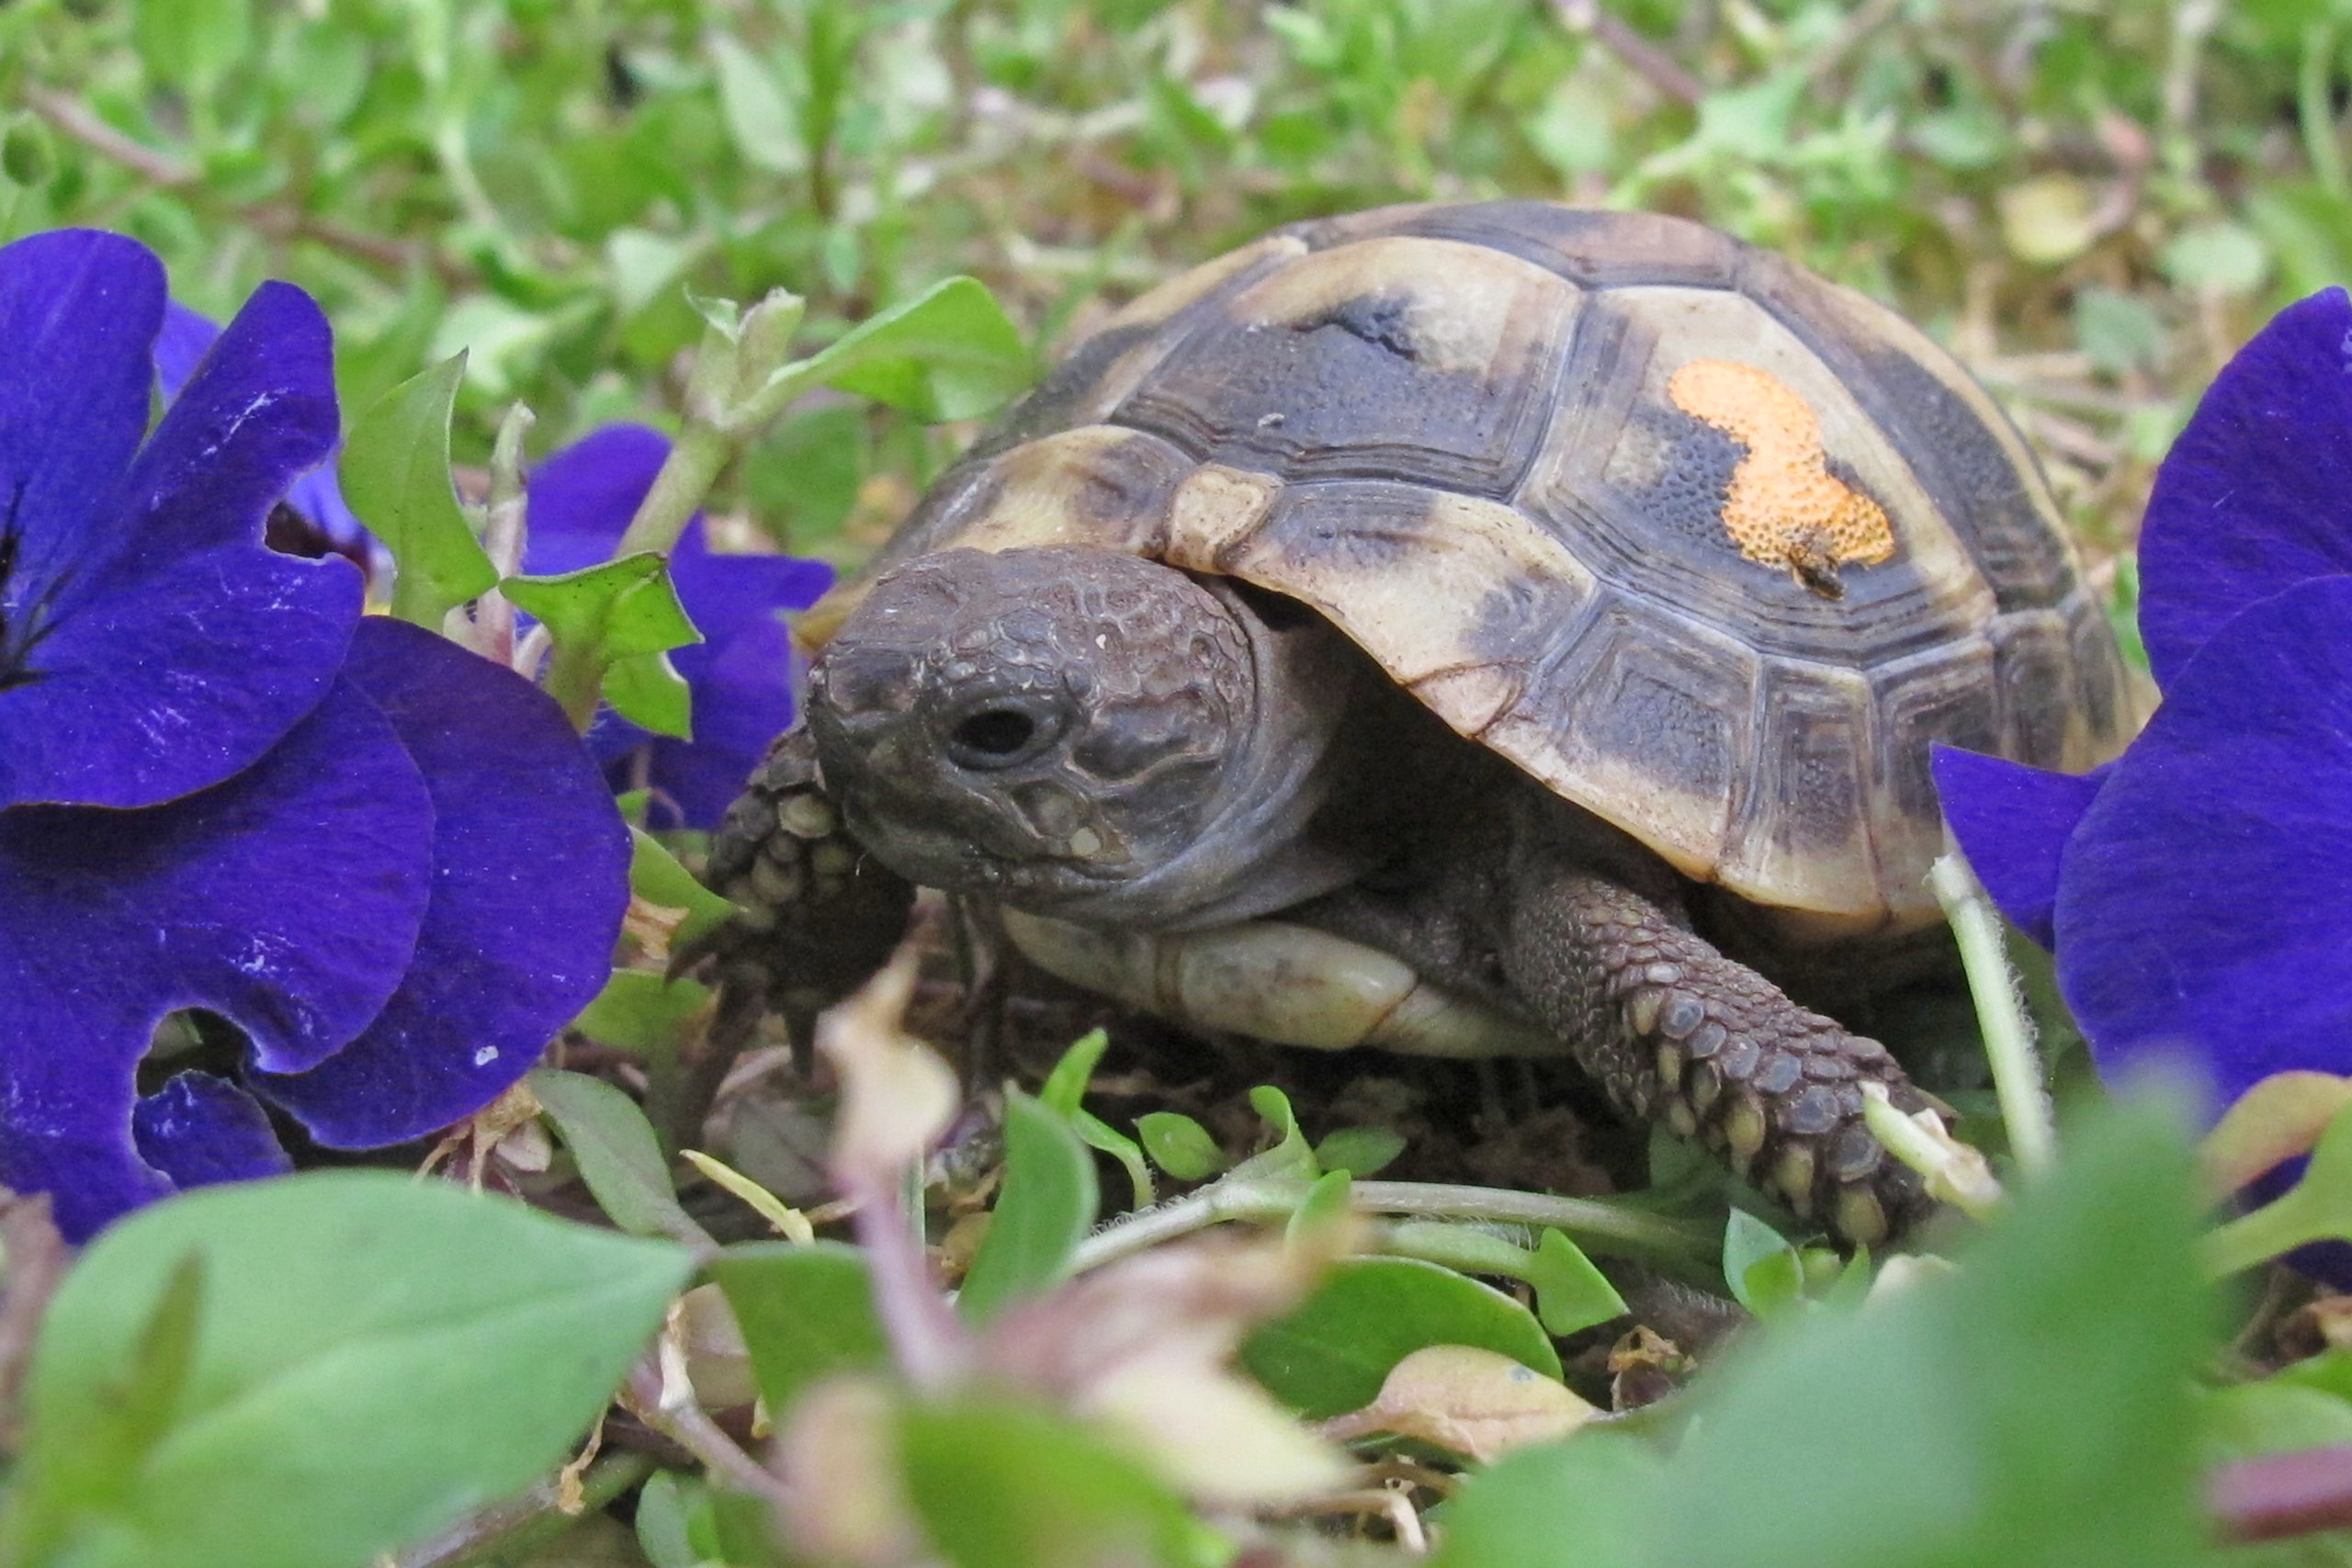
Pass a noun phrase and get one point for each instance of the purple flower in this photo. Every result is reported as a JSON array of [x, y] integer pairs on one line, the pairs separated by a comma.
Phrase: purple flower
[[389, 862], [741, 673], [2198, 891], [315, 498]]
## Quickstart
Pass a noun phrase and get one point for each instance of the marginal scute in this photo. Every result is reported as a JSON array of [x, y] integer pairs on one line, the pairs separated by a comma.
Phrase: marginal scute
[[1215, 509]]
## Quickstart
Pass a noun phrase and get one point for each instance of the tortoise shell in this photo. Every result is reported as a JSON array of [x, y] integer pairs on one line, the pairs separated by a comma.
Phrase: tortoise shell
[[1709, 545]]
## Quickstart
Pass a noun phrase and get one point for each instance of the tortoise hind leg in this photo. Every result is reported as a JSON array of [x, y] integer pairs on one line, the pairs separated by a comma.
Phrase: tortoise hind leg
[[820, 915], [1679, 1034]]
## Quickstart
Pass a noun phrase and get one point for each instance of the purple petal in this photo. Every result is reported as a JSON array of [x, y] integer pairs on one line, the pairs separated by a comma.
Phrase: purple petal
[[2205, 903], [2255, 495], [78, 309], [180, 346], [314, 495], [287, 899], [530, 881], [582, 497], [172, 647], [198, 1130], [2012, 820]]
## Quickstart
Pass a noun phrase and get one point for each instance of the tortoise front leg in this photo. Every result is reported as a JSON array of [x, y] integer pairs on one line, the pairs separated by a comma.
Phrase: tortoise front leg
[[1677, 1033], [820, 915]]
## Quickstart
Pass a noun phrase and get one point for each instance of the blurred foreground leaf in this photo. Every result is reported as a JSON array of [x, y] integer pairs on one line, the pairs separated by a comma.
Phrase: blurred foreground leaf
[[1050, 1198], [366, 1361], [806, 1313], [1333, 1353]]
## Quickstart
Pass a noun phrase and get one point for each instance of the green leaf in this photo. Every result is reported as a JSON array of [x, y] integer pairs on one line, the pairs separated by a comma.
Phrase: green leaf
[[1359, 1151], [603, 616], [27, 156], [1180, 1146], [1001, 1484], [2032, 1408], [1571, 1294], [1763, 1271], [641, 1011], [1049, 1201], [372, 1360], [949, 353], [1330, 1354], [806, 1313], [1588, 1502], [395, 475], [192, 43], [1291, 1154], [1065, 1087], [617, 1153], [660, 877], [1328, 1203], [663, 1511], [761, 122], [1100, 1136], [648, 691]]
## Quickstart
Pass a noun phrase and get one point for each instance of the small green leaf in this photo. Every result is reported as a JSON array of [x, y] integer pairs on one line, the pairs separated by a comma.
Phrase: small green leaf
[[1291, 1156], [1359, 1151], [1571, 1294], [1100, 1136], [648, 691], [1180, 1146], [27, 157], [617, 1153], [1330, 1354], [1006, 1484], [1049, 1199], [949, 353], [1763, 1271], [663, 1511], [659, 877], [1065, 1087], [806, 1313], [191, 44], [641, 1011], [761, 122], [1328, 1203], [395, 475], [602, 616], [371, 1360]]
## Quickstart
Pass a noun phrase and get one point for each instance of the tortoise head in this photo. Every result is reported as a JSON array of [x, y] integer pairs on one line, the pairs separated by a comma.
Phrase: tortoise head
[[1081, 733]]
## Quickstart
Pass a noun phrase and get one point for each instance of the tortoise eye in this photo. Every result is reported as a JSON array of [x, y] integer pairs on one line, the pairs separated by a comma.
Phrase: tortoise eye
[[1000, 734]]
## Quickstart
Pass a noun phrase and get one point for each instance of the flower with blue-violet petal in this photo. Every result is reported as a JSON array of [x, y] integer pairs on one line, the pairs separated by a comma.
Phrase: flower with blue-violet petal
[[740, 675], [387, 862], [2198, 892]]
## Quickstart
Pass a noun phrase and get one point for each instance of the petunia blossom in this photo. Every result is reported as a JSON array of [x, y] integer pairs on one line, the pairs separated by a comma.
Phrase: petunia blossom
[[388, 862], [741, 673], [2198, 892]]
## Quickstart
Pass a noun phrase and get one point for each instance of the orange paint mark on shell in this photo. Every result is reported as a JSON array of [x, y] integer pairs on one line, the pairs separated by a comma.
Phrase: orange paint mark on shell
[[1783, 506]]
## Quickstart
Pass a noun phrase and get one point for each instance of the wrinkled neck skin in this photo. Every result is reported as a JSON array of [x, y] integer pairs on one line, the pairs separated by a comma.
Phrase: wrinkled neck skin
[[1259, 850]]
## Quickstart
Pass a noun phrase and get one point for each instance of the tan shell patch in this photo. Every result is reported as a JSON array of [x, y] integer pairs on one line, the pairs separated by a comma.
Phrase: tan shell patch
[[1784, 507]]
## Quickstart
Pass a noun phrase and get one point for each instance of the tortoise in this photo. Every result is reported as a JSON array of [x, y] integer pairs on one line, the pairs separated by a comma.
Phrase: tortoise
[[1559, 602]]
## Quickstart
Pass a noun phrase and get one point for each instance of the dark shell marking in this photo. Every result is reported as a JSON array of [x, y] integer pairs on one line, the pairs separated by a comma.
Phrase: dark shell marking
[[1448, 429]]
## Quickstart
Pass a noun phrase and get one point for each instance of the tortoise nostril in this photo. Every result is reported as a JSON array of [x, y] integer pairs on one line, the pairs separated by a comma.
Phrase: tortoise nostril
[[995, 733]]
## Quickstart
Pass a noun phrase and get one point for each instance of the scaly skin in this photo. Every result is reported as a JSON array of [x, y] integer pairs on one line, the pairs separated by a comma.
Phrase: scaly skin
[[822, 914]]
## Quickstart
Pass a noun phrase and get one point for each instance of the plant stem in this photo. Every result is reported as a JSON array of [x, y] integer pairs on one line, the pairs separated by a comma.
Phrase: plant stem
[[695, 461], [1603, 1227], [2008, 1033], [520, 1523]]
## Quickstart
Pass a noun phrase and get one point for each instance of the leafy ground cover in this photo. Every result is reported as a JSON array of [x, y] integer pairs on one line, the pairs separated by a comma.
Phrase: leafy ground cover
[[795, 252]]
